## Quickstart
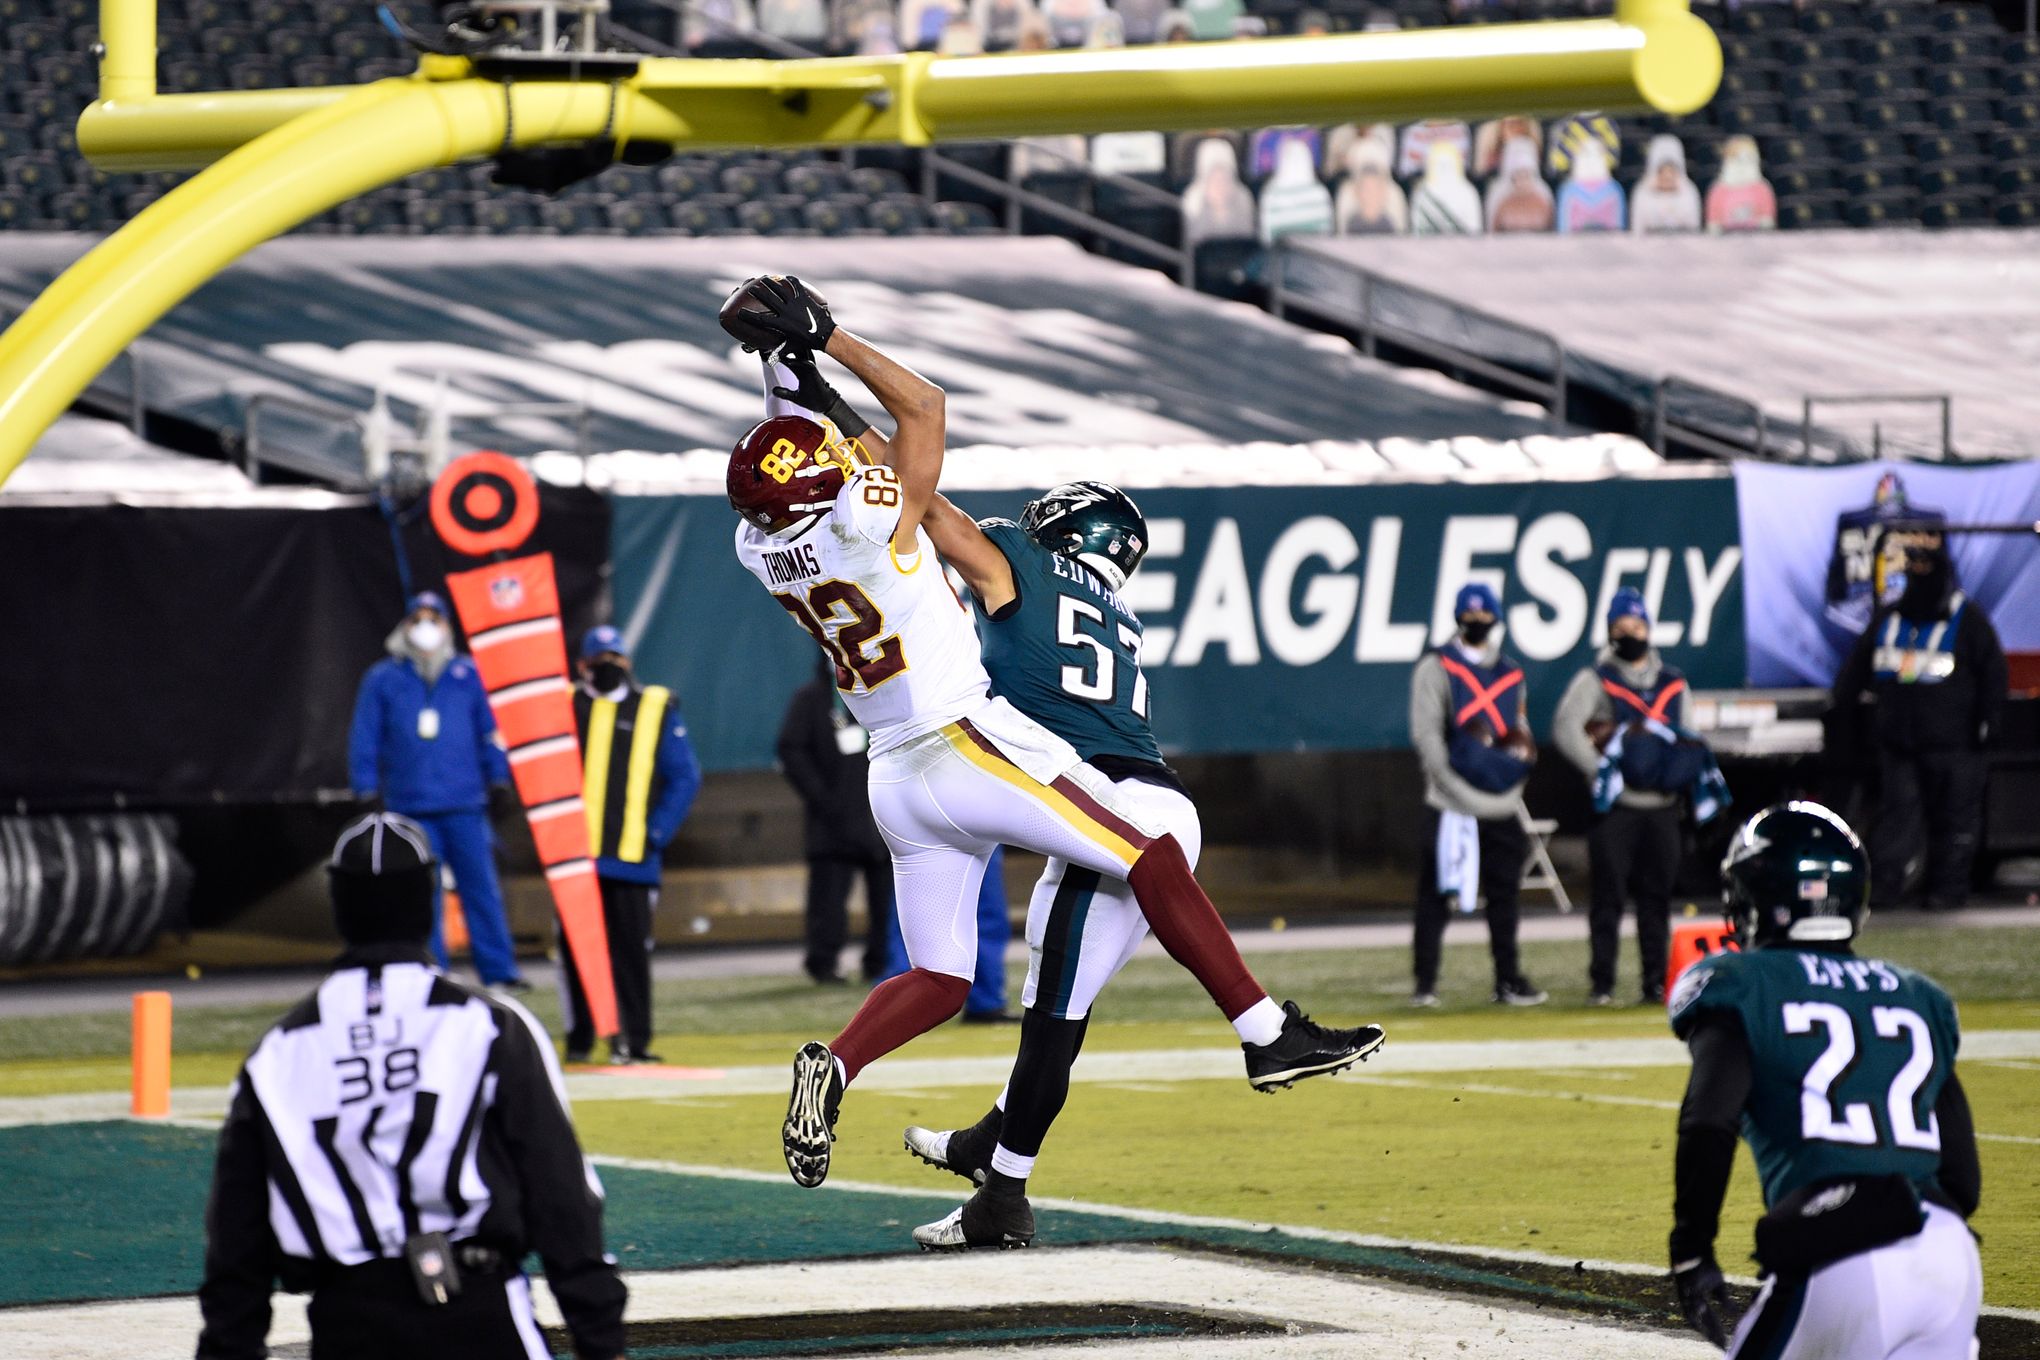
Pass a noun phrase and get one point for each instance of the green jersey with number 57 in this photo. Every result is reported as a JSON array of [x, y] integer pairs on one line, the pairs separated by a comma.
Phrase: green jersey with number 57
[[1066, 652], [1848, 1056]]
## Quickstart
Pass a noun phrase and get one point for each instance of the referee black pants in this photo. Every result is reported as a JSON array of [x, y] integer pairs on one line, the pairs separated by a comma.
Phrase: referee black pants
[[373, 1312], [627, 916]]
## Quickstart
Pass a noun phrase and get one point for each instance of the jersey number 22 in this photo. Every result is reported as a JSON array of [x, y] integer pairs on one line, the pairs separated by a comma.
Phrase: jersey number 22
[[1855, 1122]]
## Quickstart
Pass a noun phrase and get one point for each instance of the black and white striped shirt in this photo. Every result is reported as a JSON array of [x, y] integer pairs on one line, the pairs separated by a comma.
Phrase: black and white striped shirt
[[390, 1102]]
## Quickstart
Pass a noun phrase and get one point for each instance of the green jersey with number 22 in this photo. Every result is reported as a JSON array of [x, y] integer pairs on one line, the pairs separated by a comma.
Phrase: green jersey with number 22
[[1848, 1056]]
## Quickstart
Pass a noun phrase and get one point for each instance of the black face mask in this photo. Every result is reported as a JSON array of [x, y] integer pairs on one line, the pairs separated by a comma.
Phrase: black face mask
[[1926, 591], [1475, 631], [605, 676], [1630, 648]]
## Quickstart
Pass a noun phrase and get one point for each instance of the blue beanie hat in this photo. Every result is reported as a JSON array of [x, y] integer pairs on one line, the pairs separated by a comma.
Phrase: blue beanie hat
[[600, 639], [1628, 604], [1476, 596], [427, 599]]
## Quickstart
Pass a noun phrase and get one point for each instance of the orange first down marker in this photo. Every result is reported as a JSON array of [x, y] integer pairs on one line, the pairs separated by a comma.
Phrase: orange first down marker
[[152, 1055]]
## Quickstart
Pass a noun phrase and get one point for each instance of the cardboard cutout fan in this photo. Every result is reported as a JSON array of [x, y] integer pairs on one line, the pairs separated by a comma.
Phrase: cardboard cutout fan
[[485, 505]]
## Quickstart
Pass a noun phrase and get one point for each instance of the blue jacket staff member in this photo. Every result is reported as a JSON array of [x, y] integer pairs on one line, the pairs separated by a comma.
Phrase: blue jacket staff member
[[1466, 721], [425, 743], [639, 778]]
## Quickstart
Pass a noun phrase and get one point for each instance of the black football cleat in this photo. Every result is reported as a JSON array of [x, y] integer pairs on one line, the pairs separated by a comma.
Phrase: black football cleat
[[1307, 1049], [967, 1152], [985, 1222], [811, 1115]]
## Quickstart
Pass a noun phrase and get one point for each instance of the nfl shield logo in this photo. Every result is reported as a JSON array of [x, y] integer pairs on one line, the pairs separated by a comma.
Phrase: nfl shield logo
[[506, 592]]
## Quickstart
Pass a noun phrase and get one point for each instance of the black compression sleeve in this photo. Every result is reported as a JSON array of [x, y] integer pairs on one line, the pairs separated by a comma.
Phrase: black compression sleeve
[[1961, 1174], [1708, 1119]]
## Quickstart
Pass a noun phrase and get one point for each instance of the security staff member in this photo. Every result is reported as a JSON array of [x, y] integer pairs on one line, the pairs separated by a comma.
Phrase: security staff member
[[395, 1146], [1466, 721], [639, 778], [1635, 847], [821, 751], [1932, 672], [424, 741]]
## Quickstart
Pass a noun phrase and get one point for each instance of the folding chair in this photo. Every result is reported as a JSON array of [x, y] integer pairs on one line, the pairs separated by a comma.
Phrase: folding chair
[[1539, 873]]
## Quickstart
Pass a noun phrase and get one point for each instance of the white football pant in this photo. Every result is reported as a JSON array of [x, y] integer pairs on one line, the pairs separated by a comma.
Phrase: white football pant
[[945, 800], [1916, 1299], [1083, 925]]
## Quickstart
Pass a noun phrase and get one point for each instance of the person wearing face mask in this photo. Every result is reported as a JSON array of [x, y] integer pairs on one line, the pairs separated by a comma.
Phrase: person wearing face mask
[[639, 778], [1635, 846], [424, 744], [1466, 721], [1924, 688]]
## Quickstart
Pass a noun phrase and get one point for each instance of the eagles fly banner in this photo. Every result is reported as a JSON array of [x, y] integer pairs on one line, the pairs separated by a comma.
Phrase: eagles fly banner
[[1813, 572], [1277, 618]]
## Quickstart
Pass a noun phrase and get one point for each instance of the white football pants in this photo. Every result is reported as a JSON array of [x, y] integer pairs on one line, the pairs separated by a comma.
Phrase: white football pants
[[945, 800], [1916, 1299], [1083, 925]]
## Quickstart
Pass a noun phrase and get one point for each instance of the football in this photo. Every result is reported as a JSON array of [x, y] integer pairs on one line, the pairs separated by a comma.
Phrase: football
[[742, 304]]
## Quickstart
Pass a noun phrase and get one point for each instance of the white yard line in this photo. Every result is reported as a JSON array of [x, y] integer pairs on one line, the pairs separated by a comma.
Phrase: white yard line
[[1150, 1067]]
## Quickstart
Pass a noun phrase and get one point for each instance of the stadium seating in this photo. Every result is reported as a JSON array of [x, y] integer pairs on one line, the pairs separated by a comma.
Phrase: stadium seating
[[1893, 112]]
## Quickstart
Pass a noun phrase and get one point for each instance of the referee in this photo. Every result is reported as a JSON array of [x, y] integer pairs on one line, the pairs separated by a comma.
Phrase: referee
[[395, 1146]]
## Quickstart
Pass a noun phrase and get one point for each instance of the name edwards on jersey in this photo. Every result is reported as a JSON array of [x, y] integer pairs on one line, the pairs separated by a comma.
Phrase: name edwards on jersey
[[793, 564], [1078, 574]]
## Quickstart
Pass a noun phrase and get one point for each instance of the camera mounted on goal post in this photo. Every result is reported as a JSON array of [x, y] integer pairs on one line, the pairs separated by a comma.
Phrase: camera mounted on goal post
[[523, 39]]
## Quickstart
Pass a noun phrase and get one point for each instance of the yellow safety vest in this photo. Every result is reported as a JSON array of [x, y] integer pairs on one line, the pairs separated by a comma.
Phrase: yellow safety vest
[[618, 793]]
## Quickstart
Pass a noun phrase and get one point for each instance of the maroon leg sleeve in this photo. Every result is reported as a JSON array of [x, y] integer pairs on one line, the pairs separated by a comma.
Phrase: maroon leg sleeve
[[897, 1010], [1189, 927]]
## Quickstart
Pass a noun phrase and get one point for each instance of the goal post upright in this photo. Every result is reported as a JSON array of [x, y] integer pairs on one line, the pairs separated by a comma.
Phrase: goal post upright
[[273, 159]]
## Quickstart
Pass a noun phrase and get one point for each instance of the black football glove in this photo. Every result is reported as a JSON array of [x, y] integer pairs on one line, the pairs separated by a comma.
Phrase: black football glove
[[503, 801], [1703, 1297], [793, 313], [811, 392]]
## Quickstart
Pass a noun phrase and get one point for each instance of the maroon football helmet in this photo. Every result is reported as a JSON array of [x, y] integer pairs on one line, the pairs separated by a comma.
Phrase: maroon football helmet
[[785, 474]]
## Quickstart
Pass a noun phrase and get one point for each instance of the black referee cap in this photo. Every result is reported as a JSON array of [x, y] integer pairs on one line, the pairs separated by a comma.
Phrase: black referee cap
[[384, 880]]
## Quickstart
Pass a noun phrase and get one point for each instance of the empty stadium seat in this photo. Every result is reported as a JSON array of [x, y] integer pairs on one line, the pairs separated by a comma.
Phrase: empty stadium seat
[[685, 178], [816, 179], [964, 219], [507, 214], [636, 216], [838, 216], [750, 179], [899, 215], [703, 217], [878, 182], [572, 216], [1960, 209], [773, 215], [2023, 211], [1882, 208]]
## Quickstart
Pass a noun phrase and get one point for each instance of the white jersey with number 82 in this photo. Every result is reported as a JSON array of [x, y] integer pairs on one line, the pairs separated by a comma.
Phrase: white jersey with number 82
[[905, 653]]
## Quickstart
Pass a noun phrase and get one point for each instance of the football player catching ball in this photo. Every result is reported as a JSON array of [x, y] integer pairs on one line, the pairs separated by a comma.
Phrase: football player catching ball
[[833, 528]]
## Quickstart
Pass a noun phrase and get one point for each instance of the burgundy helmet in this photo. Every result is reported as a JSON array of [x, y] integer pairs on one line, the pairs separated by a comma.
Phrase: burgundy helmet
[[785, 474]]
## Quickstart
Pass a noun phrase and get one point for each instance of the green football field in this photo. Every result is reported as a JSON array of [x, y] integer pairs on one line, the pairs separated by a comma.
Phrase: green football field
[[1527, 1134]]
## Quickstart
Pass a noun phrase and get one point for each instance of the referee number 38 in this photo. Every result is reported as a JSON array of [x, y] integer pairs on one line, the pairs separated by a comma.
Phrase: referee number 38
[[363, 1074]]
